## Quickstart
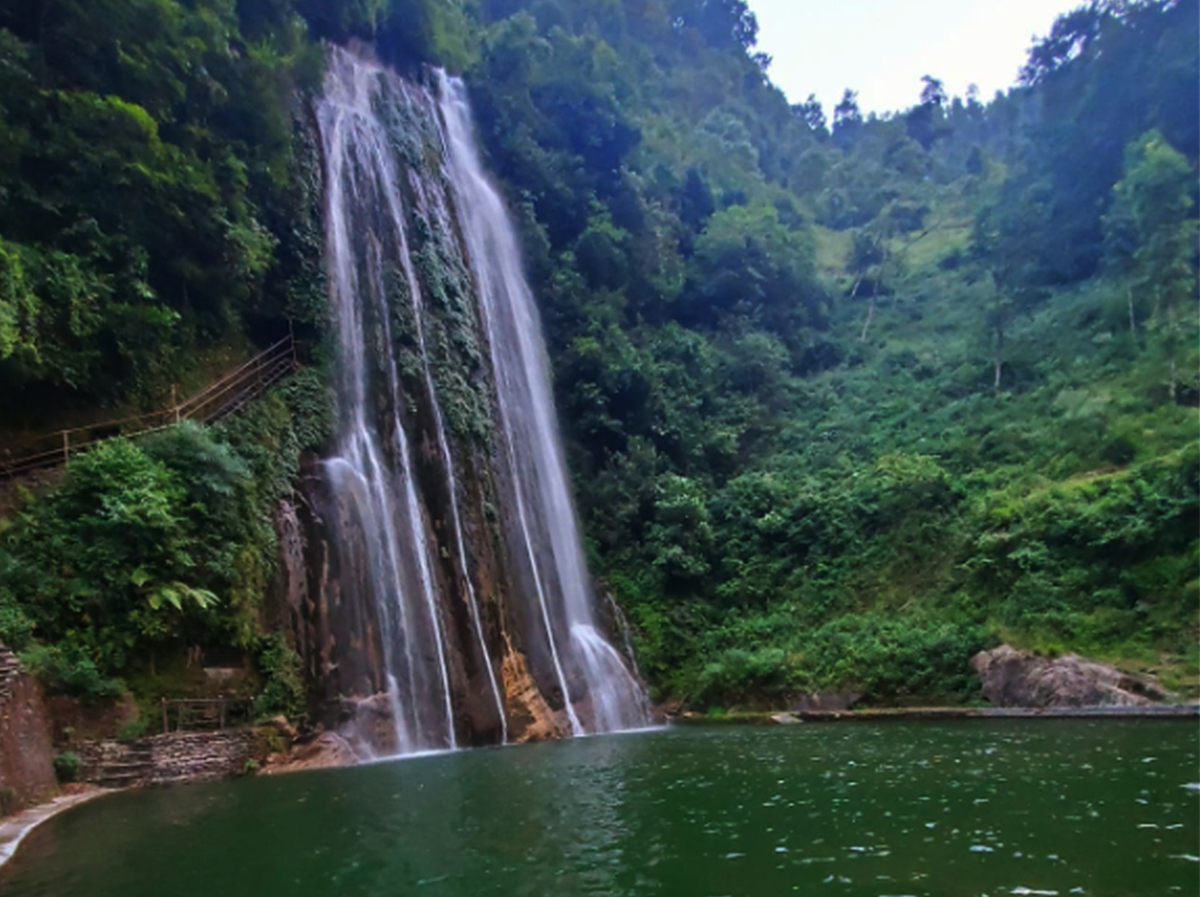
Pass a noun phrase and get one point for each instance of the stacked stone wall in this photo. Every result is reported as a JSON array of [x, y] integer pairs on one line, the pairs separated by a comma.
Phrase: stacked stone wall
[[177, 757]]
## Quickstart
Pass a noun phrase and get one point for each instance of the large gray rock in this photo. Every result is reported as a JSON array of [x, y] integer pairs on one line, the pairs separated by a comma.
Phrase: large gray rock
[[1013, 678]]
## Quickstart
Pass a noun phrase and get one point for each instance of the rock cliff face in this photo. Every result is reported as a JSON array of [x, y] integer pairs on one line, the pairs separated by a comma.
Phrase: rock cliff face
[[431, 576], [1013, 678], [26, 750], [338, 637]]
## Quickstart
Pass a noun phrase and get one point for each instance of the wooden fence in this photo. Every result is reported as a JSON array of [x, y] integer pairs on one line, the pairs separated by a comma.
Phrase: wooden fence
[[217, 400], [192, 714]]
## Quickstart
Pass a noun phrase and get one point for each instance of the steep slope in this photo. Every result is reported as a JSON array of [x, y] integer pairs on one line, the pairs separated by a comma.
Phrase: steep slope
[[845, 400]]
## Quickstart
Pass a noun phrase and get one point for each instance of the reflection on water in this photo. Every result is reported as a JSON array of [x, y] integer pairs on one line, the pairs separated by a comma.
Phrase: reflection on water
[[972, 808]]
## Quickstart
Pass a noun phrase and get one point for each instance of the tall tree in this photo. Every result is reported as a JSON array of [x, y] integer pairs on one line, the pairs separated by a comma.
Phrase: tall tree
[[847, 117], [811, 113], [1151, 224]]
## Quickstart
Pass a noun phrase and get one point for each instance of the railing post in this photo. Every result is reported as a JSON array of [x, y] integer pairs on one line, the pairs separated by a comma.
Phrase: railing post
[[66, 449], [175, 404], [164, 716]]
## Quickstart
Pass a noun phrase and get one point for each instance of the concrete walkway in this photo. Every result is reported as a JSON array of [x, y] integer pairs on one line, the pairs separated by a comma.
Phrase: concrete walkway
[[777, 717], [14, 829]]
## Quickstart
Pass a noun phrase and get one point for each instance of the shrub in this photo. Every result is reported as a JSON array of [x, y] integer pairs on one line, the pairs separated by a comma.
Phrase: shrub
[[133, 729], [897, 658], [283, 685], [69, 670], [67, 767]]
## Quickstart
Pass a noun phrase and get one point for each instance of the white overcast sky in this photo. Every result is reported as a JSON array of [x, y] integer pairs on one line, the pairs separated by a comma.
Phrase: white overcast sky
[[881, 48]]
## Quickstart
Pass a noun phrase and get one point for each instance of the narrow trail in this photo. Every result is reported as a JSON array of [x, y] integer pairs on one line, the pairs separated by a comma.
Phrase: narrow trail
[[224, 396]]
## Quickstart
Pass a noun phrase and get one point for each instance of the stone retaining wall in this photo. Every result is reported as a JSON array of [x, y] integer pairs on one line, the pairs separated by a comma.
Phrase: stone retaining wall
[[26, 752], [177, 757]]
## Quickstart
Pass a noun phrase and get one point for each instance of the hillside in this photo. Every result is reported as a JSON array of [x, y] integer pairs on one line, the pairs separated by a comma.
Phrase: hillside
[[847, 398]]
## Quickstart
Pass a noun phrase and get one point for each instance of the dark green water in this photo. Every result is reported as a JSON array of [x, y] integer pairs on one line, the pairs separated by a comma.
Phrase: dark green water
[[961, 808]]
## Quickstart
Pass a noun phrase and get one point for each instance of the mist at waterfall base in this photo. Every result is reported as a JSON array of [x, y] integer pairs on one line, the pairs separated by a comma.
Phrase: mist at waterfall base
[[440, 363]]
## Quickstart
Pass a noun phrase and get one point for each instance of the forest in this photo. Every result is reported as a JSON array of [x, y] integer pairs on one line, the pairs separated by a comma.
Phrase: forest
[[848, 398]]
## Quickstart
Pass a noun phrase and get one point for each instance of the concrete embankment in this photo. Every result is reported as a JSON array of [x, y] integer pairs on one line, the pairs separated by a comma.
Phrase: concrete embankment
[[784, 717], [15, 828]]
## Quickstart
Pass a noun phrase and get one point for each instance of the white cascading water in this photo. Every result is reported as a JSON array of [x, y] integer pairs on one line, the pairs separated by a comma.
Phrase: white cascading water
[[545, 513], [372, 476], [376, 129]]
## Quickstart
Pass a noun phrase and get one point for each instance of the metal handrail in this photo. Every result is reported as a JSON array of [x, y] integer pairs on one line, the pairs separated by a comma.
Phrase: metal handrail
[[217, 400]]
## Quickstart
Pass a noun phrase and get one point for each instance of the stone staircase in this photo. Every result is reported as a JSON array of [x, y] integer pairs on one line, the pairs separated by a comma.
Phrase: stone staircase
[[132, 766], [158, 759]]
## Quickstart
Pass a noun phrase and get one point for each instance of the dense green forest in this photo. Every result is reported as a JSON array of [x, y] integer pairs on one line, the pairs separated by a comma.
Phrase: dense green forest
[[848, 398]]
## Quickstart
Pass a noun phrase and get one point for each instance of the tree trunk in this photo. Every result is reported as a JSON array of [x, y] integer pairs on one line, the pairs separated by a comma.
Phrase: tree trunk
[[1132, 318], [1173, 387], [870, 318], [996, 382]]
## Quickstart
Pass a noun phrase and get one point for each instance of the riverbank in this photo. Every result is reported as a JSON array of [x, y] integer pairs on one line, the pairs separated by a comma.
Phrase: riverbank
[[786, 717], [15, 828]]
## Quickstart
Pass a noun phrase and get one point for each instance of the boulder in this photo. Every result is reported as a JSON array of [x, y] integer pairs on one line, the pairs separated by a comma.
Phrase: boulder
[[826, 700], [1013, 678], [327, 750]]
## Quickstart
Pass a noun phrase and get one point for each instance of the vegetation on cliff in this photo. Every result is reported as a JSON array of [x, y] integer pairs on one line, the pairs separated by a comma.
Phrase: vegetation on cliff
[[848, 398], [849, 402]]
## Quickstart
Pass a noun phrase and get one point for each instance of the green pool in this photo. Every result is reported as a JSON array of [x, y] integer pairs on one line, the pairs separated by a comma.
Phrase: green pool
[[970, 808]]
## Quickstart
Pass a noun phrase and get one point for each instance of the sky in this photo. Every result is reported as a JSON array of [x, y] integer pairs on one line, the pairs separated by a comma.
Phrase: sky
[[881, 48]]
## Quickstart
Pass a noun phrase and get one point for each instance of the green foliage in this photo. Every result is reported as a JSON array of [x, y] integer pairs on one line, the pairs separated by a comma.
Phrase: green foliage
[[144, 208], [157, 543], [133, 729], [67, 767], [835, 399], [767, 483], [283, 684], [1107, 74], [887, 659], [103, 561], [1097, 558], [69, 669]]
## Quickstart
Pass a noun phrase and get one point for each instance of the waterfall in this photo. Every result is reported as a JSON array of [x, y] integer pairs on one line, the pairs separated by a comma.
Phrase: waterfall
[[545, 512], [423, 271]]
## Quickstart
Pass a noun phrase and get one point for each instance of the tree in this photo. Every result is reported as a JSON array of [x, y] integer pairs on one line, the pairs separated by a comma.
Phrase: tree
[[933, 91], [720, 22], [847, 117], [811, 113], [696, 204], [1151, 233], [1070, 37], [868, 253], [749, 263], [924, 122]]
